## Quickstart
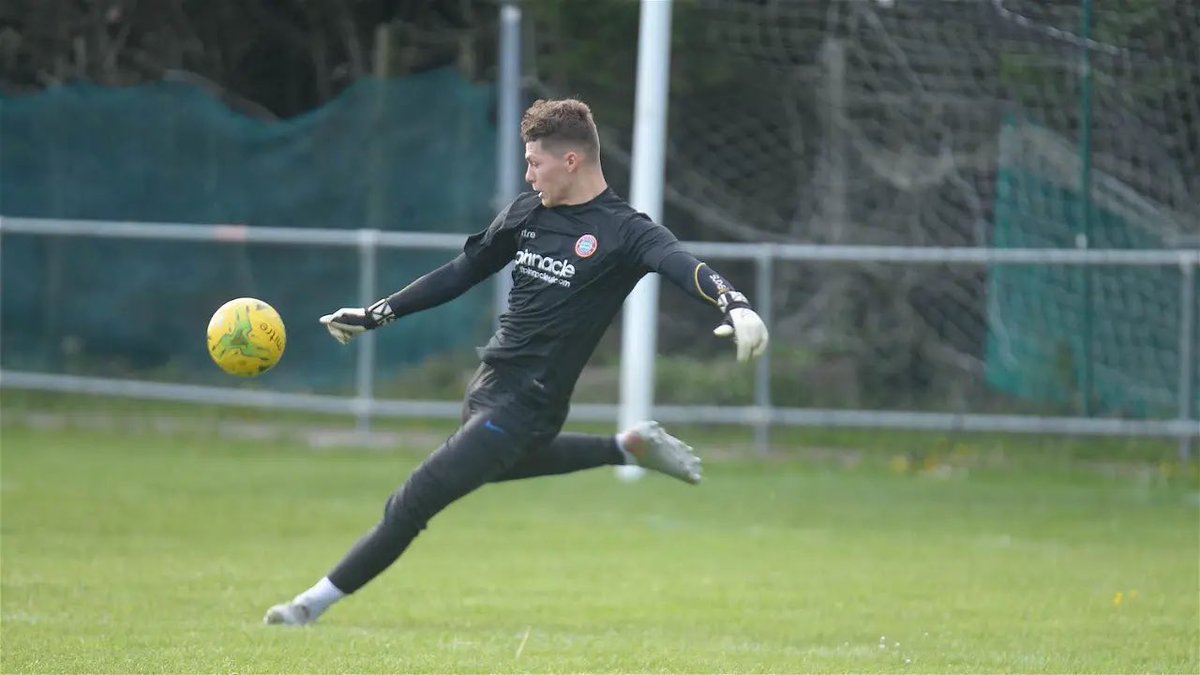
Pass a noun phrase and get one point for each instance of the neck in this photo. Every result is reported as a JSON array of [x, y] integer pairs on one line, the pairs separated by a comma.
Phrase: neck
[[586, 188]]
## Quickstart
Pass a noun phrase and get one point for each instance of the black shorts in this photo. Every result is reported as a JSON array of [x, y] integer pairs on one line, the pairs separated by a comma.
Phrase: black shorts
[[509, 397]]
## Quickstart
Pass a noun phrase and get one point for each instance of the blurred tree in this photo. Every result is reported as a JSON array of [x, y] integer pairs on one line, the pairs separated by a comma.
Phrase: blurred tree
[[264, 57]]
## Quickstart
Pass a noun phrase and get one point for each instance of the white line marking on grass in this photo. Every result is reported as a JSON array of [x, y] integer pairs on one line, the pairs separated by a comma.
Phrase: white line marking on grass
[[525, 639]]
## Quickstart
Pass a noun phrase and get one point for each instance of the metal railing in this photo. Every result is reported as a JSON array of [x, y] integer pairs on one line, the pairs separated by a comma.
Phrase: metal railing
[[762, 415]]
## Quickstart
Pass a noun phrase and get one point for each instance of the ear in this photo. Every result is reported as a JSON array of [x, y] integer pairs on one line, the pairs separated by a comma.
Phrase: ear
[[573, 160]]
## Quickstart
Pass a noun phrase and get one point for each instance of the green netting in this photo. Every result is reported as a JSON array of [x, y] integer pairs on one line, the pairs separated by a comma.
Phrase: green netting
[[411, 154], [1044, 320]]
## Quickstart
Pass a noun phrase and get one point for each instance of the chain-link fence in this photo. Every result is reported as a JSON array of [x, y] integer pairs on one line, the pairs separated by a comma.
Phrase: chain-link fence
[[1002, 123]]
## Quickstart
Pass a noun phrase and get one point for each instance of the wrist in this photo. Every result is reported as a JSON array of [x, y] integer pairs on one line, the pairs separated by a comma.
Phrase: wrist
[[731, 300], [379, 314]]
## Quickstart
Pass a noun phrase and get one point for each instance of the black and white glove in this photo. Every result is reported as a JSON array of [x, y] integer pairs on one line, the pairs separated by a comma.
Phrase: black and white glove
[[743, 324], [349, 322]]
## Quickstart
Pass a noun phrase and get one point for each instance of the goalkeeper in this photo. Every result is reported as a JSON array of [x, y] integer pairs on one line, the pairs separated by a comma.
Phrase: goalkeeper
[[579, 249]]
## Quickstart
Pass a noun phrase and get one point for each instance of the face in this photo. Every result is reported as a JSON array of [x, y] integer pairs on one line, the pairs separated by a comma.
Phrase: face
[[550, 173]]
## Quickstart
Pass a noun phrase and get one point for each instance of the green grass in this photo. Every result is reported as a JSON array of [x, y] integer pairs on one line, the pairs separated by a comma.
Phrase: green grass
[[1015, 451], [137, 551]]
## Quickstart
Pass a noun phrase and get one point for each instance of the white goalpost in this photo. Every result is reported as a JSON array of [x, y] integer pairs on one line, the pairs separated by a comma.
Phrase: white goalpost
[[639, 335]]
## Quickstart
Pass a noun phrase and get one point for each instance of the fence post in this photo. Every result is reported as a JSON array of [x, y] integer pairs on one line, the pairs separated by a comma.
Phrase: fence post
[[763, 300], [1187, 348], [1084, 238], [368, 246]]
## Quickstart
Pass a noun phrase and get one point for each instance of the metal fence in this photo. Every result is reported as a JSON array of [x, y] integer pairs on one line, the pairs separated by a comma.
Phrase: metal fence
[[762, 414]]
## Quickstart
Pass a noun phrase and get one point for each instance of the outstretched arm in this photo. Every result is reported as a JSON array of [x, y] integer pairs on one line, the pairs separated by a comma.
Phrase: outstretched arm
[[657, 249], [436, 288], [484, 254], [699, 280]]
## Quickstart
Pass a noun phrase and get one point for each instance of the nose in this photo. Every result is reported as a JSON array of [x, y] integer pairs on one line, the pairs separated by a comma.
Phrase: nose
[[529, 175]]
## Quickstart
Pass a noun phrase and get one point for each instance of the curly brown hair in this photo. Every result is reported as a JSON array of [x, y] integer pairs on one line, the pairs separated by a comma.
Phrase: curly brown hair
[[564, 122]]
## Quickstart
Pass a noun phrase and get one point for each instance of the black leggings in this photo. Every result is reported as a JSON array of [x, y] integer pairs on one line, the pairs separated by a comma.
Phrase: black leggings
[[509, 431]]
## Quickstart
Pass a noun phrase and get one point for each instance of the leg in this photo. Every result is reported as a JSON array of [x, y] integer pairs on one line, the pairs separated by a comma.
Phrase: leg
[[645, 444], [477, 453], [567, 453]]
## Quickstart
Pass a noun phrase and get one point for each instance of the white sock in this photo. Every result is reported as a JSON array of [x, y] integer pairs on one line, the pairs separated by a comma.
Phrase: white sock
[[320, 597], [629, 458]]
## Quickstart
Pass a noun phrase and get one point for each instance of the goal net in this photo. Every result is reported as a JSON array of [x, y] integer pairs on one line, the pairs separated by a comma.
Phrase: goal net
[[994, 123]]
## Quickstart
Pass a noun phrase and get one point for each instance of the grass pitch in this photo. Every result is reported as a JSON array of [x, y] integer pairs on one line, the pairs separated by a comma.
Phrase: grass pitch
[[155, 552]]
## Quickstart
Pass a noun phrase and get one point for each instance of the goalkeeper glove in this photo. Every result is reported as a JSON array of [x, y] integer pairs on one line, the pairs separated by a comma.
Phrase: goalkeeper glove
[[743, 324], [349, 322]]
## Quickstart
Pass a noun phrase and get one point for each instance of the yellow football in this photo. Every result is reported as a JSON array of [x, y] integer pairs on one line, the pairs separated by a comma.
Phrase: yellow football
[[246, 337]]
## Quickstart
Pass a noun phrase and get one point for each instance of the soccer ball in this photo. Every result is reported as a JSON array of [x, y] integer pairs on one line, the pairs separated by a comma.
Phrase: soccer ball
[[246, 337]]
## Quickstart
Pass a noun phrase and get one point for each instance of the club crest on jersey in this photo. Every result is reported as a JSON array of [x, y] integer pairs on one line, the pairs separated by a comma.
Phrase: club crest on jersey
[[585, 246]]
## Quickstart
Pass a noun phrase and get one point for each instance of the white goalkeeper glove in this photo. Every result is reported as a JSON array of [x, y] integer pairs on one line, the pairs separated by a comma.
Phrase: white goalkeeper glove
[[747, 329], [349, 322]]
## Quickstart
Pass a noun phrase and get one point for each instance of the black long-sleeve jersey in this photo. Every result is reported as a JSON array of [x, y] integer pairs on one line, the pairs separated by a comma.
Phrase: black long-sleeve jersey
[[575, 265]]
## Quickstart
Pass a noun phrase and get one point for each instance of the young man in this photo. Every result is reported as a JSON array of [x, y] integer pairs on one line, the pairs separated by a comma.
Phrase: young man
[[579, 250]]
